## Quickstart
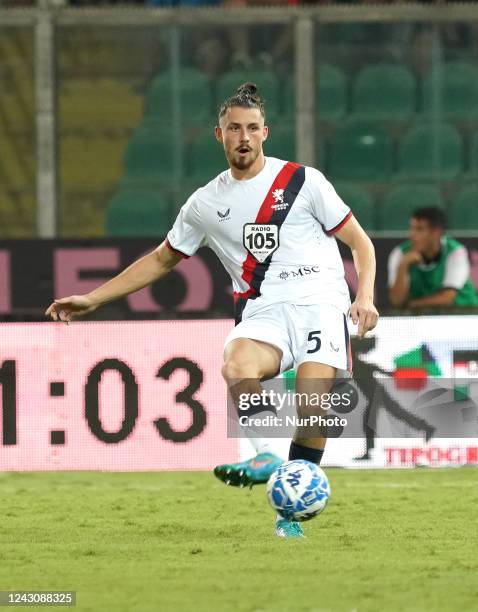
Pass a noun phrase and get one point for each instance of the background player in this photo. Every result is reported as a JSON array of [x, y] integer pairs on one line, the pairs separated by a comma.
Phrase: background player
[[272, 225], [430, 270]]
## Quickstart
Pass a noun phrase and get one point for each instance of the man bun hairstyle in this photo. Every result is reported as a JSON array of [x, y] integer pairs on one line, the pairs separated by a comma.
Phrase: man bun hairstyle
[[246, 96]]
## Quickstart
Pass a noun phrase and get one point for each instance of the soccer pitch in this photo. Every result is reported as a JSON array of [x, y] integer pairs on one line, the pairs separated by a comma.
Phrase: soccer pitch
[[389, 540]]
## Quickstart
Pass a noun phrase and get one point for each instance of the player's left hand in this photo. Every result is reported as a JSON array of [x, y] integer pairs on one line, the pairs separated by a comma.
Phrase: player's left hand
[[364, 313]]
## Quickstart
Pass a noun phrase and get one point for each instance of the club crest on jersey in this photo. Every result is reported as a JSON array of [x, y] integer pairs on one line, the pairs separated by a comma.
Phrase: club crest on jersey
[[224, 216], [261, 239], [278, 195]]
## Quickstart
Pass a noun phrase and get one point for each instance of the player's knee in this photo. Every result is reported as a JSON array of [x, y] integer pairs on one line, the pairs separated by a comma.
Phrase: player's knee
[[235, 368]]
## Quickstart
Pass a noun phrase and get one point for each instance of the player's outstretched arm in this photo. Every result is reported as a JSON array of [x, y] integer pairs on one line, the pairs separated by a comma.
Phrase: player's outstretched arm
[[362, 310], [139, 274]]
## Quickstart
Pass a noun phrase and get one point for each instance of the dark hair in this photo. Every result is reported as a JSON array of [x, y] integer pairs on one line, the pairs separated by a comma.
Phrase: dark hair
[[434, 215], [246, 96]]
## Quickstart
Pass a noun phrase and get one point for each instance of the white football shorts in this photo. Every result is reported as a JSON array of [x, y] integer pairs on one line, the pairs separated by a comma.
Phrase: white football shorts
[[317, 333]]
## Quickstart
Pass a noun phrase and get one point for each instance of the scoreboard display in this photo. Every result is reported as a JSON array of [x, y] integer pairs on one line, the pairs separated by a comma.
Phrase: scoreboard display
[[113, 396]]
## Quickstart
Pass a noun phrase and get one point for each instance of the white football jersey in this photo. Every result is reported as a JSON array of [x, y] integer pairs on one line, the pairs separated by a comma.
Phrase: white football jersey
[[273, 233]]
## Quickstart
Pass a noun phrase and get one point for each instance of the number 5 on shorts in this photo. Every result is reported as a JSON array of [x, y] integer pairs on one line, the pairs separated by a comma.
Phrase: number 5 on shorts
[[314, 337]]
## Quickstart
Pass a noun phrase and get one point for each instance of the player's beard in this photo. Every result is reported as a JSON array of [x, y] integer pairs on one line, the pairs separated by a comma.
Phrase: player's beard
[[243, 163]]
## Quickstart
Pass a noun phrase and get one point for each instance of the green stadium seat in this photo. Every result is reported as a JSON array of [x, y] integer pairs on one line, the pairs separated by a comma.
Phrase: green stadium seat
[[148, 156], [463, 212], [384, 92], [360, 202], [281, 142], [402, 200], [474, 155], [431, 151], [451, 91], [194, 97], [138, 213], [266, 81], [331, 94], [207, 158], [361, 151]]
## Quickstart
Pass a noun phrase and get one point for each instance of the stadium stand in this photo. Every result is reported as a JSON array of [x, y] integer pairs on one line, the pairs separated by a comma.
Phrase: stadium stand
[[281, 141], [384, 92], [94, 160], [331, 94], [361, 151], [147, 157], [101, 103], [207, 157], [360, 202], [431, 152], [402, 200], [194, 97], [473, 155], [138, 213], [17, 134], [463, 211], [452, 91]]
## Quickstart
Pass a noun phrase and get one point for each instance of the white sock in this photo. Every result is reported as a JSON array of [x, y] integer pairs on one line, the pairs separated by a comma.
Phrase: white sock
[[262, 445]]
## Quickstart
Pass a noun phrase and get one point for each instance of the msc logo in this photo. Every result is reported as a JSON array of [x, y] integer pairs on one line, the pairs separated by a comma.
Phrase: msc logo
[[224, 216], [303, 271]]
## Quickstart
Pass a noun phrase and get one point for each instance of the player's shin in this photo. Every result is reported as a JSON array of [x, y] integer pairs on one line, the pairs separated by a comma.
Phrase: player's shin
[[252, 412], [311, 435]]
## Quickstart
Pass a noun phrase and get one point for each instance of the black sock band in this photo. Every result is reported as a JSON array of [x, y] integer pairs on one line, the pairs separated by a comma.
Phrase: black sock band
[[297, 451]]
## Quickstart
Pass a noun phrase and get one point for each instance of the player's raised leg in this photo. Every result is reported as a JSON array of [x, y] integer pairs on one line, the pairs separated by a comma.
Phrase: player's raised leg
[[246, 363]]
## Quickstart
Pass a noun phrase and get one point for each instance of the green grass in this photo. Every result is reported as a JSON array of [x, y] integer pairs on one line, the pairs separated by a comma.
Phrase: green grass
[[389, 540]]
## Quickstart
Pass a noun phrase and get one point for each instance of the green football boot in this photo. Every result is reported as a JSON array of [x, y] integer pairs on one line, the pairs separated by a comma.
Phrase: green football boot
[[250, 472], [288, 529]]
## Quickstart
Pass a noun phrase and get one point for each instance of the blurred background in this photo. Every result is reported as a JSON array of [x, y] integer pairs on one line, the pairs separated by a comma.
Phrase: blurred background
[[107, 113]]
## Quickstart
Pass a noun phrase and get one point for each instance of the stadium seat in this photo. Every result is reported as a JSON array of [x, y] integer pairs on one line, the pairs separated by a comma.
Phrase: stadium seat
[[463, 212], [402, 200], [360, 202], [431, 151], [384, 91], [266, 81], [98, 103], [361, 151], [451, 91], [148, 156], [194, 96], [281, 142], [474, 155], [331, 94], [92, 160], [138, 213], [207, 157]]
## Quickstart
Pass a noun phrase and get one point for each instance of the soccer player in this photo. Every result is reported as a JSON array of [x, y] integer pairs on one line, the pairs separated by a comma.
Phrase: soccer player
[[430, 270], [273, 224]]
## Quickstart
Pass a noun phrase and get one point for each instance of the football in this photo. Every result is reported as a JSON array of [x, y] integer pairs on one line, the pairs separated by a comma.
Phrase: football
[[298, 490]]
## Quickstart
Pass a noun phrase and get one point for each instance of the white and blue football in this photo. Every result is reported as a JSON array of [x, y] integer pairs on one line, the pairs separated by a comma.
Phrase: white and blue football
[[298, 490]]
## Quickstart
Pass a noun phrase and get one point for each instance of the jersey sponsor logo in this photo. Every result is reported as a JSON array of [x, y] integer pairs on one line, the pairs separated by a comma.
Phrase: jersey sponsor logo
[[278, 196], [303, 271], [335, 349], [261, 240], [224, 216]]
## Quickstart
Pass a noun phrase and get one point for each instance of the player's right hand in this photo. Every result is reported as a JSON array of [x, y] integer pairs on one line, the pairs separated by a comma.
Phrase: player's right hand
[[69, 308], [411, 258]]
